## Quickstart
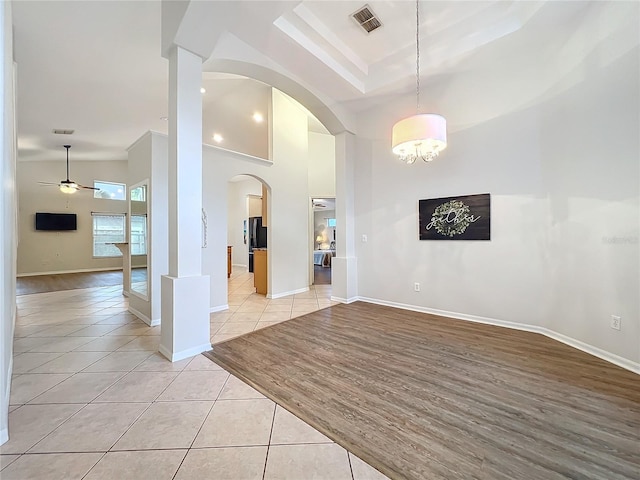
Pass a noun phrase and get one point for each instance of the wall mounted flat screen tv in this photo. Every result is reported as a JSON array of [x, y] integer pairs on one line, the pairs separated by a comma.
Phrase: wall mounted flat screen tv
[[56, 221]]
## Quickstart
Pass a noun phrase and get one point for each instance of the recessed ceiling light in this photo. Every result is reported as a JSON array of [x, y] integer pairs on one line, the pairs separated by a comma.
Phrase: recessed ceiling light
[[203, 90], [217, 137], [257, 117]]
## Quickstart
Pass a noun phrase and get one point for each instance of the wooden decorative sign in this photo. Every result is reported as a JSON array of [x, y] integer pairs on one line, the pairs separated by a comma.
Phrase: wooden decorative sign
[[456, 218]]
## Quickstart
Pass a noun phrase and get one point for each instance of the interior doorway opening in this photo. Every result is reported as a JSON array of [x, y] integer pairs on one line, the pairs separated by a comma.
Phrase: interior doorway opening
[[324, 239], [247, 230]]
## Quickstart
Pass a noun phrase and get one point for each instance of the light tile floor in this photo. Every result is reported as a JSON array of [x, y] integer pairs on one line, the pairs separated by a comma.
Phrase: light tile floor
[[92, 399]]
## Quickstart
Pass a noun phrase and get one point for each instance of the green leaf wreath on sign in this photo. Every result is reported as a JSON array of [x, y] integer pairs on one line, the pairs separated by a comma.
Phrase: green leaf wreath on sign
[[451, 218]]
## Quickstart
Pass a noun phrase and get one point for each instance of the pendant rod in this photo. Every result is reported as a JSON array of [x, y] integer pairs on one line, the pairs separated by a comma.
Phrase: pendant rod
[[67, 147], [417, 56]]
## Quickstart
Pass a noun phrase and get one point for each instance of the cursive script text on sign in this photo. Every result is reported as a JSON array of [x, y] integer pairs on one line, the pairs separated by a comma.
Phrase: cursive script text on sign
[[454, 216]]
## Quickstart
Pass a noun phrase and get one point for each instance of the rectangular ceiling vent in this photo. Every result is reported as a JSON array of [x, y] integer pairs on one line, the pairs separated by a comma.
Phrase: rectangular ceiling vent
[[367, 19], [62, 131]]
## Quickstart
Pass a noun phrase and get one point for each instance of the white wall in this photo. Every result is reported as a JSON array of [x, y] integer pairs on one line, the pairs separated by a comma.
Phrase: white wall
[[237, 202], [7, 216], [322, 165], [563, 173], [148, 161], [288, 237], [55, 252]]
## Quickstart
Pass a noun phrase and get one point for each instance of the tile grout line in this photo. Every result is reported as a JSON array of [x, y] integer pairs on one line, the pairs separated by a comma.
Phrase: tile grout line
[[209, 412], [273, 422], [94, 466], [350, 466]]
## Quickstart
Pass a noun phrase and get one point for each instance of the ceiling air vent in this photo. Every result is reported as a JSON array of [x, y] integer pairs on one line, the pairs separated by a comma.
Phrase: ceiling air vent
[[366, 19], [62, 131]]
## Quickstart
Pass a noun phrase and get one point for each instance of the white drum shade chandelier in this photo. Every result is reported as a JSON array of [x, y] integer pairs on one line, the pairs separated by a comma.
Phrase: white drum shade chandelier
[[423, 135]]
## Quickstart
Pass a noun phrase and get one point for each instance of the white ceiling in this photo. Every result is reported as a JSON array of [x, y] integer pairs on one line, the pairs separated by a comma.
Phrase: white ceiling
[[96, 66]]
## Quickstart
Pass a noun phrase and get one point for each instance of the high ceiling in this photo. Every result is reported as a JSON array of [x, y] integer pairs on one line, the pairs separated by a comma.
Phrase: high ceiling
[[96, 67]]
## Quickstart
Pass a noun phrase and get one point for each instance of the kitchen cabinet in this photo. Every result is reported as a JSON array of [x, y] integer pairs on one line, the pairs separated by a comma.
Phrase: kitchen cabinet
[[255, 206], [260, 270]]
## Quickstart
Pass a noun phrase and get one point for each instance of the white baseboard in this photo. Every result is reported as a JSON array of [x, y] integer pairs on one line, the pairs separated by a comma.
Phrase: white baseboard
[[175, 357], [80, 270], [285, 294], [590, 349], [239, 265], [152, 323], [595, 351], [4, 433], [346, 300], [219, 308], [456, 315]]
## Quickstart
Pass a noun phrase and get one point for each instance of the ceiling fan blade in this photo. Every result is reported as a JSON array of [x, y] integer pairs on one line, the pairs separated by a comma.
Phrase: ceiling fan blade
[[87, 188], [49, 183]]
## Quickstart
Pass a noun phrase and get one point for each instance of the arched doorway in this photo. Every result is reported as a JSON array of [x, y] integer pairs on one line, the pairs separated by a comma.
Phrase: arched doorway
[[247, 234], [310, 135]]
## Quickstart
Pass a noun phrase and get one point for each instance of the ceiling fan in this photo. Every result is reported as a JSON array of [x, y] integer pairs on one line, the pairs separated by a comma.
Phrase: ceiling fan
[[68, 186]]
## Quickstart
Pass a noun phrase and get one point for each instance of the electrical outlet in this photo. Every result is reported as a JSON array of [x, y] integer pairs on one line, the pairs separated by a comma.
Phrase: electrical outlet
[[416, 287], [615, 322], [364, 239]]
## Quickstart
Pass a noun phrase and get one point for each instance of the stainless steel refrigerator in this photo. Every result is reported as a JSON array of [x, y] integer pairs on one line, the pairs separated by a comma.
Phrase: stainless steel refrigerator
[[257, 237]]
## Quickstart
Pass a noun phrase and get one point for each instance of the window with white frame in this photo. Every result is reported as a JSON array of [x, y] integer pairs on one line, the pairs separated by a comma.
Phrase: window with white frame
[[138, 242], [109, 190], [108, 228], [139, 194]]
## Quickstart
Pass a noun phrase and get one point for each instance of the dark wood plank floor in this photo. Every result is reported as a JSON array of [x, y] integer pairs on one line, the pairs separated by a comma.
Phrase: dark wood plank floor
[[321, 275], [424, 397], [67, 281]]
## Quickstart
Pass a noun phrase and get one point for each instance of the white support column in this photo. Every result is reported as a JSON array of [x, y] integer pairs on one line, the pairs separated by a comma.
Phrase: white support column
[[344, 265], [185, 291]]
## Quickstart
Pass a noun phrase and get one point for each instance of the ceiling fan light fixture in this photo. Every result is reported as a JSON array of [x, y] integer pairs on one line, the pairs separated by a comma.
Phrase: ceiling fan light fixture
[[69, 187]]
